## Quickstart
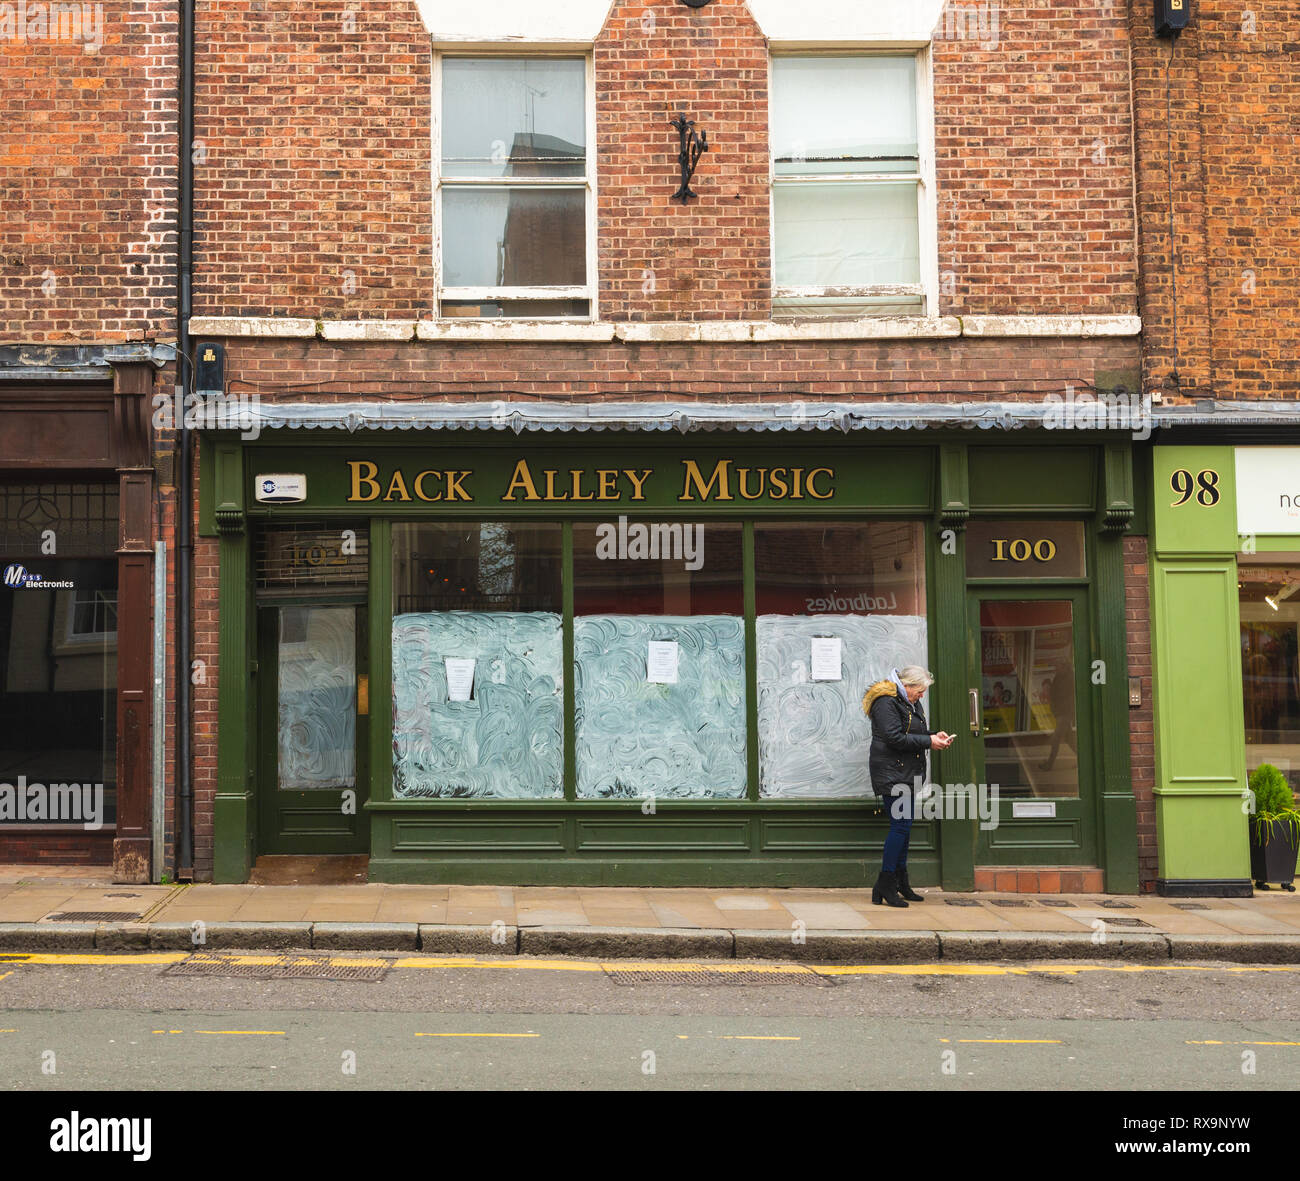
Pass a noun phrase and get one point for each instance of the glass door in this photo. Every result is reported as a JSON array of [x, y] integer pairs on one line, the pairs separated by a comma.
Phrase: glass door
[[1030, 720], [314, 710]]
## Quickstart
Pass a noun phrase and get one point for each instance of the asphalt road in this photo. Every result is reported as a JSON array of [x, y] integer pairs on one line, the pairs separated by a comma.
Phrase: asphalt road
[[138, 1027]]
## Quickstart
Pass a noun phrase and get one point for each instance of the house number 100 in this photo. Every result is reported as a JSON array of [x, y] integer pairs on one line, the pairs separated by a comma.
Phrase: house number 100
[[1043, 550]]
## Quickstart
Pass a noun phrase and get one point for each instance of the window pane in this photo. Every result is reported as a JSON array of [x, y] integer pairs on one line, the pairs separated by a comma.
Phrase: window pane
[[1270, 664], [318, 702], [862, 585], [514, 237], [530, 309], [844, 114], [1027, 681], [58, 672], [682, 734], [514, 117], [486, 593], [847, 235], [476, 566]]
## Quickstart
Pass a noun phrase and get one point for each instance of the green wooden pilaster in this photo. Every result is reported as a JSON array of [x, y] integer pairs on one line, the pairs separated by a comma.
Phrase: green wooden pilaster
[[234, 822], [949, 659], [1117, 818], [1196, 654]]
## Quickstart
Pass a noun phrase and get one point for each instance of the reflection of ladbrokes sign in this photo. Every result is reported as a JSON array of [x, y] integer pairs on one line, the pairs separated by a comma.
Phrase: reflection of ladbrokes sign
[[725, 481]]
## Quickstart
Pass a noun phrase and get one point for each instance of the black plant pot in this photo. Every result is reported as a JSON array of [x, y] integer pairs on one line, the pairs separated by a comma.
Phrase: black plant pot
[[1273, 860]]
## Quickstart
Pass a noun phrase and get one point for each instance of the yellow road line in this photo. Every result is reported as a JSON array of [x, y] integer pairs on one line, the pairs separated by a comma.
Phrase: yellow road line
[[1241, 1043], [753, 1037], [477, 1035], [1006, 1041], [146, 959], [245, 1032], [6, 976]]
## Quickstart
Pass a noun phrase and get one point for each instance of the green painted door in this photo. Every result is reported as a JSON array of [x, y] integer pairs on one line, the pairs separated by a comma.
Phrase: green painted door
[[313, 713], [1031, 722]]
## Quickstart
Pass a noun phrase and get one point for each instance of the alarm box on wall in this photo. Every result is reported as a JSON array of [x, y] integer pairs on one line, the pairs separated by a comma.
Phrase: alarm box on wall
[[1172, 17]]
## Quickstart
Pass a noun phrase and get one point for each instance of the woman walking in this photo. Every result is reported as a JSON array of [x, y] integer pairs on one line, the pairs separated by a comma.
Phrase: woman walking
[[900, 737]]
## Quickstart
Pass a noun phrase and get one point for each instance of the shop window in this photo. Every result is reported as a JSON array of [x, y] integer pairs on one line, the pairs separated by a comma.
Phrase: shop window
[[58, 646], [477, 661], [515, 180], [1269, 595], [659, 645], [839, 607], [850, 197]]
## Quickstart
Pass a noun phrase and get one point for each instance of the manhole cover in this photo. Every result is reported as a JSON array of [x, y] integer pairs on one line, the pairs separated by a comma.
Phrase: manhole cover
[[1118, 922], [1115, 904], [92, 916], [961, 901], [731, 978], [1055, 902], [280, 967], [1189, 906], [1009, 902]]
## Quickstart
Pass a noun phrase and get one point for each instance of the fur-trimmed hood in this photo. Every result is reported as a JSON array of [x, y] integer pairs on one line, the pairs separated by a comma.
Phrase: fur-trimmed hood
[[878, 690]]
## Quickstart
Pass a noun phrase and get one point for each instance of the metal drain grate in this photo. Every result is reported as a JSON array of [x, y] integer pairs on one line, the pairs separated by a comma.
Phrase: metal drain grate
[[1115, 904], [93, 916], [728, 978], [961, 901], [281, 967], [1125, 922], [1189, 906], [1009, 902], [1055, 902]]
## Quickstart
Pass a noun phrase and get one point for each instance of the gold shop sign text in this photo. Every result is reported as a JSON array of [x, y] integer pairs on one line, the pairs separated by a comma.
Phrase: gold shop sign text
[[692, 482]]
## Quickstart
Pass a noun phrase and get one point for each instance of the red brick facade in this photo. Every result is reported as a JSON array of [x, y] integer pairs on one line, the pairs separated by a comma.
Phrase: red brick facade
[[1223, 98], [88, 177]]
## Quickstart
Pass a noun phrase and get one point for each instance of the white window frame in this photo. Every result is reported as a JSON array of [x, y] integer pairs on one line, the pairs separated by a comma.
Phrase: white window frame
[[507, 295], [927, 211]]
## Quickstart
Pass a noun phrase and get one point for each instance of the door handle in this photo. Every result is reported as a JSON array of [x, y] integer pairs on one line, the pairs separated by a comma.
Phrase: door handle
[[975, 713]]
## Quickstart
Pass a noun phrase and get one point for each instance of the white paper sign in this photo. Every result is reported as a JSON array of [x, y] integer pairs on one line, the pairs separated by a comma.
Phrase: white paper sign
[[827, 658], [661, 662], [460, 678]]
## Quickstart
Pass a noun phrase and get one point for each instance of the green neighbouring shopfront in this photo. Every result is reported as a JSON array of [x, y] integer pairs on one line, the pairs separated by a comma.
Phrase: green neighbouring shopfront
[[627, 658], [1225, 563]]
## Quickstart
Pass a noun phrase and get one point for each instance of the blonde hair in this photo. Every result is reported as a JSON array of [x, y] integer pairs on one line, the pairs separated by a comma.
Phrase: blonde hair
[[914, 674]]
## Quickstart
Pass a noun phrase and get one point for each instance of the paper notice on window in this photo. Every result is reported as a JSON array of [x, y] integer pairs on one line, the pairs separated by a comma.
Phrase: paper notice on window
[[460, 678], [826, 658], [661, 662]]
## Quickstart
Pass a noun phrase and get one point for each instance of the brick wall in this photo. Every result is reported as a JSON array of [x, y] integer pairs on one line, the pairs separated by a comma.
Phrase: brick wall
[[1226, 122], [315, 196], [1137, 612], [88, 177]]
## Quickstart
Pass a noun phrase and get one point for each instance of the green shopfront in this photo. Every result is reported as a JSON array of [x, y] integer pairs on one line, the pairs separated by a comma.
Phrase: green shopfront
[[639, 657], [1225, 569]]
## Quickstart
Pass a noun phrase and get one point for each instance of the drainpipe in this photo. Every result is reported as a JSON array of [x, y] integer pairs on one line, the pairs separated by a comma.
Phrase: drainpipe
[[184, 449]]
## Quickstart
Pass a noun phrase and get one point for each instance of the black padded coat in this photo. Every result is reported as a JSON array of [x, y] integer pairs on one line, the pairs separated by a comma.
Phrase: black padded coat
[[900, 736]]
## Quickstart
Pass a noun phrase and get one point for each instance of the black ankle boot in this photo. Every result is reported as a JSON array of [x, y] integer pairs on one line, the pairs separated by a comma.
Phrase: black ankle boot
[[905, 887], [886, 890]]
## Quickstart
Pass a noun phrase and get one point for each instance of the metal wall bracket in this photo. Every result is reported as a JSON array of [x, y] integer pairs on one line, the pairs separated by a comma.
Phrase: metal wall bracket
[[693, 147]]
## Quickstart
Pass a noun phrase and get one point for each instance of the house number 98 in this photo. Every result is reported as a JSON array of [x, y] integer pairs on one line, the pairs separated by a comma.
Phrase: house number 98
[[1205, 486], [1043, 550]]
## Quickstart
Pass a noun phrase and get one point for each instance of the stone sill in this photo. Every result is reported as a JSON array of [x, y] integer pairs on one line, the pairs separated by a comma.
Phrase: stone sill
[[667, 332]]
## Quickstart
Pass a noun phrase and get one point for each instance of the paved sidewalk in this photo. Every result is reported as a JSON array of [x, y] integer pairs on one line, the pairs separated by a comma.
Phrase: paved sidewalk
[[55, 913]]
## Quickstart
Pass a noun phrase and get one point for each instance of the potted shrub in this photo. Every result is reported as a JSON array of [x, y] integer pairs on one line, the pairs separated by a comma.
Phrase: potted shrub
[[1274, 829]]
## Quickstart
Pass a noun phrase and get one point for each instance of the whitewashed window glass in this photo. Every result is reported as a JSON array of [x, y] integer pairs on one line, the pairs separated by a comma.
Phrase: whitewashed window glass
[[847, 182], [514, 187]]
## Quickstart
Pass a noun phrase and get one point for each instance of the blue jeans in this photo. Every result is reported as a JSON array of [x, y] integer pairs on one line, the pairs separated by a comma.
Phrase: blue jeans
[[900, 830]]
